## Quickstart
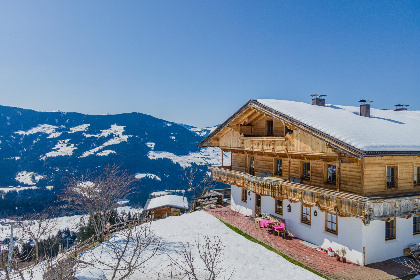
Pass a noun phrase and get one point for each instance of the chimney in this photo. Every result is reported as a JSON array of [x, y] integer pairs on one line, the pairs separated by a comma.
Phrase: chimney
[[365, 108], [318, 100], [401, 107]]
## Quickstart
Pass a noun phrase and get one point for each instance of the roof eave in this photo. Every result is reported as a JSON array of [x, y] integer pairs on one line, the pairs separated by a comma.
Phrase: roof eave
[[391, 153]]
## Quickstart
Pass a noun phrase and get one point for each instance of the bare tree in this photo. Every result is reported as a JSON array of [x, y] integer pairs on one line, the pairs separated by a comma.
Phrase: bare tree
[[98, 195], [36, 226], [3, 264], [128, 250], [194, 182], [209, 252]]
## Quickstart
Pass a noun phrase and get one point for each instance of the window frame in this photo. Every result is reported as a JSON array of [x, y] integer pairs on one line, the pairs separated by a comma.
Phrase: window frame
[[252, 165], [270, 128], [392, 229], [417, 174], [304, 213], [277, 171], [277, 206], [333, 175], [244, 196], [305, 170], [416, 224], [330, 229], [394, 177]]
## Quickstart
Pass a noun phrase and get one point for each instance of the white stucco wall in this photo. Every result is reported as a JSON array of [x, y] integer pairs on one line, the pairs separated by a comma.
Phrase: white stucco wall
[[352, 233], [349, 229], [236, 203], [377, 249]]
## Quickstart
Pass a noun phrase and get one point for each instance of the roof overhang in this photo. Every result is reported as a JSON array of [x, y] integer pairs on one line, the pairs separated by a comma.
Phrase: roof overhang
[[332, 141]]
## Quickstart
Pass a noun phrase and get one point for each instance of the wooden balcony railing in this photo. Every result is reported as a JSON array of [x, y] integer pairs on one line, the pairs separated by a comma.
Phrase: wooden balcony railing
[[342, 203], [264, 144]]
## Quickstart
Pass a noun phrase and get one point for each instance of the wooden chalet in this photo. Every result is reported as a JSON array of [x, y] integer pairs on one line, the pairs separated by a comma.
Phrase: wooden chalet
[[163, 206], [340, 176]]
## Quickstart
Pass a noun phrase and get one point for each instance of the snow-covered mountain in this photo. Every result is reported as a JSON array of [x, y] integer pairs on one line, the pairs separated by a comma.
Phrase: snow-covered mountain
[[40, 149]]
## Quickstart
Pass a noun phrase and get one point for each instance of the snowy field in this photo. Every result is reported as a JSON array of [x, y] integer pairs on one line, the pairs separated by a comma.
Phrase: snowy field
[[56, 224], [71, 222], [243, 258]]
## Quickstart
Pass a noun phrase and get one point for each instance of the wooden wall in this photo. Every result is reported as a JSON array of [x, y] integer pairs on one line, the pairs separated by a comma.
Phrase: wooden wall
[[231, 139], [166, 212], [375, 175], [351, 177], [351, 172], [239, 162], [260, 127], [301, 141], [298, 141]]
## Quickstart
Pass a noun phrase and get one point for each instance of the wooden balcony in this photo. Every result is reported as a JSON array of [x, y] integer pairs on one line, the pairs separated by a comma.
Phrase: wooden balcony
[[264, 144], [341, 203]]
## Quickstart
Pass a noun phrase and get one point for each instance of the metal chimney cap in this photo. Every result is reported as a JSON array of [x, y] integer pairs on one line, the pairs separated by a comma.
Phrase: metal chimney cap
[[401, 107], [365, 101]]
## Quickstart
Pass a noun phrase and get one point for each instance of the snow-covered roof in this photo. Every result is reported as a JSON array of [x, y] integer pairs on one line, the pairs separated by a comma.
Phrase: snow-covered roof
[[386, 131], [166, 200]]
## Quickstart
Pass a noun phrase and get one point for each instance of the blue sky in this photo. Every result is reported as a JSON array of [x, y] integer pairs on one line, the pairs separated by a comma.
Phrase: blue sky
[[196, 62]]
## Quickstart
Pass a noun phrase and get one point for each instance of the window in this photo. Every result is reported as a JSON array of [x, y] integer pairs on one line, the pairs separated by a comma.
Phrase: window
[[416, 224], [279, 167], [390, 229], [417, 175], [331, 174], [331, 223], [306, 175], [306, 215], [244, 195], [270, 130], [279, 207], [391, 177], [251, 165]]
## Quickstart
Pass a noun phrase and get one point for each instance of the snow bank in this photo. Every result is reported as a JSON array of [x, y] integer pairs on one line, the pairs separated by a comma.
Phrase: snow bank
[[211, 156], [42, 128], [203, 131], [106, 153], [147, 175], [62, 148], [28, 178], [90, 273], [54, 135], [82, 127], [116, 130], [17, 188]]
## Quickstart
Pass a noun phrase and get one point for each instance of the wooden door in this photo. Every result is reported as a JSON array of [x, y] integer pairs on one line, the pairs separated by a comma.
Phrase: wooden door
[[257, 204]]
